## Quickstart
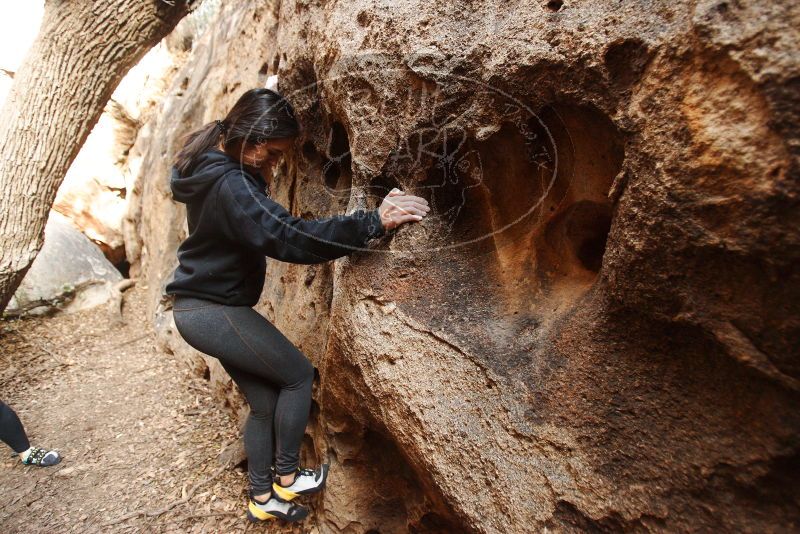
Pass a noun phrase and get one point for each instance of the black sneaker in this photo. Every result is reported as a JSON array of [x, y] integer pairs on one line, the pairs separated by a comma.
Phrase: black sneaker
[[274, 508], [306, 481], [42, 457]]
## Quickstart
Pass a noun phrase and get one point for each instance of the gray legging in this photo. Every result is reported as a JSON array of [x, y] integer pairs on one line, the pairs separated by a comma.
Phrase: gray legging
[[273, 374]]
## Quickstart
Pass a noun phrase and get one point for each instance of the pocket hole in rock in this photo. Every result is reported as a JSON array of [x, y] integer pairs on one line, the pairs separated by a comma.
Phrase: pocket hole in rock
[[527, 206], [554, 5], [589, 154], [580, 233], [339, 162]]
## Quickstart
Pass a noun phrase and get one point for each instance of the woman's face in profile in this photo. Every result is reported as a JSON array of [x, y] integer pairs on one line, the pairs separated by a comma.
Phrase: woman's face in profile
[[268, 153]]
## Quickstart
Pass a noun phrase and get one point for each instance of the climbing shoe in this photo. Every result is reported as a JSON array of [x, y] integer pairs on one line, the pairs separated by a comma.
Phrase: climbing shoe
[[305, 481], [274, 508], [41, 457]]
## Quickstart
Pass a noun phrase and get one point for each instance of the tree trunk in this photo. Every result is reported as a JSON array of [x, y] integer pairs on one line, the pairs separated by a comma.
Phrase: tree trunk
[[83, 50]]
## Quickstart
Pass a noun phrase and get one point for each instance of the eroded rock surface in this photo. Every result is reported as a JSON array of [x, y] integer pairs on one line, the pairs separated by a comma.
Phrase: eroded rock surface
[[597, 326]]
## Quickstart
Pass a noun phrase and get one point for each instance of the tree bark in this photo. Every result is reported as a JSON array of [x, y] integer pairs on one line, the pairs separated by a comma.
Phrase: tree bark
[[83, 50]]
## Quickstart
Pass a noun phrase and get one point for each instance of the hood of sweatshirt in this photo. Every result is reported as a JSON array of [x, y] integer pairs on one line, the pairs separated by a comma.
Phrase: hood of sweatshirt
[[207, 168]]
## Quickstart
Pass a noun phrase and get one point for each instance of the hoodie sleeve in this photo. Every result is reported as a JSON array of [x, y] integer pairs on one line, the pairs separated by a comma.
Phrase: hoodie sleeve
[[248, 216]]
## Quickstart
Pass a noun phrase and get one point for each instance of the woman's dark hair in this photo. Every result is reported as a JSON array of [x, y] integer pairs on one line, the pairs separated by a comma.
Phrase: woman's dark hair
[[258, 115]]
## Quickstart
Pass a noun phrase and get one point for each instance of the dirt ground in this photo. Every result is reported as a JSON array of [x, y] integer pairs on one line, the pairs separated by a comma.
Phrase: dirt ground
[[139, 433]]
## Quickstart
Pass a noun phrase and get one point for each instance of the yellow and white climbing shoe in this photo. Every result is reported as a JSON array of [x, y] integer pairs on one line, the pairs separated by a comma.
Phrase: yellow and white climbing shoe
[[275, 508], [305, 481]]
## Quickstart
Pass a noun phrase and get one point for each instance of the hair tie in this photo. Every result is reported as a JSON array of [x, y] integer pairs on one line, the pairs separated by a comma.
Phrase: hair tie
[[221, 126]]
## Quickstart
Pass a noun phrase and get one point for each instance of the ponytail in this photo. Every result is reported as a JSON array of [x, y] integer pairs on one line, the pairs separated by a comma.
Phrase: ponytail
[[198, 142]]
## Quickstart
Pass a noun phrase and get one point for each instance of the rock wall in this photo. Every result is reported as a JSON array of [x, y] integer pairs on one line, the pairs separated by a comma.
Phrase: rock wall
[[596, 328]]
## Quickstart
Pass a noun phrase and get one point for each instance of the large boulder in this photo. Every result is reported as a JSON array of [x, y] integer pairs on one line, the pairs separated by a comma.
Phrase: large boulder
[[597, 326], [69, 274]]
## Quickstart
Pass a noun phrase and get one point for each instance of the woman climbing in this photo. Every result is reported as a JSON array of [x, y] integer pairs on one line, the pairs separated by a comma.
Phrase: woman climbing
[[12, 433], [221, 175]]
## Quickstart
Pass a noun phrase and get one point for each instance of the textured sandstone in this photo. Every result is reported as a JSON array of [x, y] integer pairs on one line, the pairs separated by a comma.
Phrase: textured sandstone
[[597, 327]]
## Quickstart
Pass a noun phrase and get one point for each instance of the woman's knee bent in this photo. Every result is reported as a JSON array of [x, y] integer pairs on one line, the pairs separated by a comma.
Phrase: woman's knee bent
[[261, 398], [303, 375]]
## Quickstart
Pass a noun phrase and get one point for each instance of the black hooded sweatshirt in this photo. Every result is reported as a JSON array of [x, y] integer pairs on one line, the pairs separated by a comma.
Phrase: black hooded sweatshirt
[[233, 225]]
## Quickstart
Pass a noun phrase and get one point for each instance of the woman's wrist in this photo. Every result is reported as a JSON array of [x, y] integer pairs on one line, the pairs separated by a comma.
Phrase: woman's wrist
[[384, 222], [377, 228]]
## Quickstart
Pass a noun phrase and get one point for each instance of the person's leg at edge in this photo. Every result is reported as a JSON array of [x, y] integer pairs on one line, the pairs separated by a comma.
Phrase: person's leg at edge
[[258, 435], [12, 433]]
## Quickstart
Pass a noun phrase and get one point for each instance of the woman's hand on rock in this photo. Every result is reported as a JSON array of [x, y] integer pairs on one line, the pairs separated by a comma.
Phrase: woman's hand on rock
[[398, 208]]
